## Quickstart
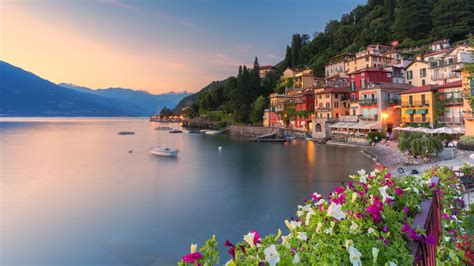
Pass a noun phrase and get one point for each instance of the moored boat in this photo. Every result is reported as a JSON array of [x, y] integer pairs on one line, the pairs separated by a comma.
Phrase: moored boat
[[163, 128], [175, 131], [164, 151]]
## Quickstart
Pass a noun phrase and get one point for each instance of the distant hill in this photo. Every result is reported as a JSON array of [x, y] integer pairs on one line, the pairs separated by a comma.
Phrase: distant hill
[[144, 102], [189, 100], [23, 93]]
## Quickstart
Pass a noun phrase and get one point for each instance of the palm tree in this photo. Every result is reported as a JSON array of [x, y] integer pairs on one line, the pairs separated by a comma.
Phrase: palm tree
[[419, 144]]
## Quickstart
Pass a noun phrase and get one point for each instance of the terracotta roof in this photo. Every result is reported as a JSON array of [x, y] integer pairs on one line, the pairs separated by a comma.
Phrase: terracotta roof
[[334, 90], [419, 89], [369, 69], [266, 67], [390, 86], [440, 42], [437, 52], [454, 84]]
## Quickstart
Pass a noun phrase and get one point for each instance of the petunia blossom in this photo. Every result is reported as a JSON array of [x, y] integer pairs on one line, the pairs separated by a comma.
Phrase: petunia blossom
[[191, 257], [354, 256], [302, 236], [271, 255], [383, 192], [335, 210]]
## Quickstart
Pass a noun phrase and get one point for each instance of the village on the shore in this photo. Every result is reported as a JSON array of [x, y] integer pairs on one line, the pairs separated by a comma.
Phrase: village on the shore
[[380, 89]]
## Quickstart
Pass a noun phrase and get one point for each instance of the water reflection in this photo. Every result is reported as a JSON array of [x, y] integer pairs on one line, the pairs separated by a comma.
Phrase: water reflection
[[72, 194]]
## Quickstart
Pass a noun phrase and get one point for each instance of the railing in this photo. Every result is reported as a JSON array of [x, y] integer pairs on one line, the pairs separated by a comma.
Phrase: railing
[[392, 102], [454, 100], [322, 109], [415, 120], [369, 118], [365, 102], [451, 120], [430, 220], [421, 103]]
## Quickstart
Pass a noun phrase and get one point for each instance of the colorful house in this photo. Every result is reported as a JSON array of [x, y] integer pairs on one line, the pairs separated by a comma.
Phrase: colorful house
[[417, 106], [337, 65], [468, 90], [418, 74], [451, 96], [303, 106], [331, 103]]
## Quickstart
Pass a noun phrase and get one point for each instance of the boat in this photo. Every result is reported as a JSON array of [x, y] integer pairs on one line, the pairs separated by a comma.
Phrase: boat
[[213, 132], [164, 151], [163, 128], [203, 131], [126, 133], [176, 131]]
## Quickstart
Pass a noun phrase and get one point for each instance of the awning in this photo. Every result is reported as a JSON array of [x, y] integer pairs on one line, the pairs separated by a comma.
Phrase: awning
[[422, 111], [409, 111], [357, 125]]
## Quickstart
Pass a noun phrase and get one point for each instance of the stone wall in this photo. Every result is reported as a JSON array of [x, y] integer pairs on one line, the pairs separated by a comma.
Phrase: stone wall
[[250, 131]]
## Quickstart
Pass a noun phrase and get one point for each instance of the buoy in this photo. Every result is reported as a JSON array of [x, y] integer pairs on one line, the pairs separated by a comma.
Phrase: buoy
[[220, 148]]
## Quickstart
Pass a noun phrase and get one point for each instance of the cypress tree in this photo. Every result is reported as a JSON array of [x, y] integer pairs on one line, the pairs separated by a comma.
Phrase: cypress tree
[[288, 62]]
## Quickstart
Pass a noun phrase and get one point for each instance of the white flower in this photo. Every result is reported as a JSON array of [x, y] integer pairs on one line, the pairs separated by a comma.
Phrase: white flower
[[370, 230], [391, 263], [321, 201], [308, 216], [348, 243], [302, 236], [249, 238], [193, 248], [328, 231], [383, 191], [292, 225], [354, 196], [296, 258], [271, 255], [316, 195], [361, 172], [229, 262], [375, 253], [354, 256], [416, 190], [284, 240], [335, 211], [353, 227], [320, 226], [362, 176]]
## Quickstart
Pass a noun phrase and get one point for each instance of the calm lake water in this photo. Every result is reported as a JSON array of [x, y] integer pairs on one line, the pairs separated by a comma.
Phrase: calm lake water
[[72, 194]]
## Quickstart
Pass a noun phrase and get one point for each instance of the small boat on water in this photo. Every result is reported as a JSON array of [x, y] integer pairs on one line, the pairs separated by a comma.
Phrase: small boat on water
[[164, 151], [176, 131], [126, 133], [163, 128], [211, 132]]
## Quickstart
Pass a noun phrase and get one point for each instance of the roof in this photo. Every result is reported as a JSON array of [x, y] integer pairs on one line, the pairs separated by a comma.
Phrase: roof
[[266, 67], [417, 61], [454, 84], [358, 125], [425, 88], [440, 42], [334, 90], [437, 52], [369, 69], [389, 86]]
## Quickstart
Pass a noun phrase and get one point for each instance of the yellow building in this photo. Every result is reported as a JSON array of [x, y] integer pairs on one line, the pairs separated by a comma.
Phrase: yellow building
[[418, 73], [375, 56], [331, 103], [418, 105], [304, 79], [468, 88]]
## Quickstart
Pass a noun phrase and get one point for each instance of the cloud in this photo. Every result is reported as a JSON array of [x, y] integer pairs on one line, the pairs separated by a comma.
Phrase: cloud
[[161, 15]]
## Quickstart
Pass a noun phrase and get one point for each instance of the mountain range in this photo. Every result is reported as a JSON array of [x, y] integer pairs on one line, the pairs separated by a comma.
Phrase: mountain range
[[23, 93]]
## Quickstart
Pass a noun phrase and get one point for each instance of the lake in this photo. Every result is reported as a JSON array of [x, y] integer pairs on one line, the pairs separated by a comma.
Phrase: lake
[[72, 194]]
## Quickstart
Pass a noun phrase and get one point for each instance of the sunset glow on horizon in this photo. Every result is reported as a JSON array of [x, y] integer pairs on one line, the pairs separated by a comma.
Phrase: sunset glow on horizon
[[148, 45]]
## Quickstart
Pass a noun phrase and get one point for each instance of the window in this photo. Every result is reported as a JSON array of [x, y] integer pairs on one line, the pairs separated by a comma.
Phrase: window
[[328, 106], [353, 85], [320, 96], [410, 74], [327, 96], [336, 96], [423, 118], [410, 100], [367, 59], [423, 72], [336, 104], [423, 99], [353, 112], [423, 82], [362, 83]]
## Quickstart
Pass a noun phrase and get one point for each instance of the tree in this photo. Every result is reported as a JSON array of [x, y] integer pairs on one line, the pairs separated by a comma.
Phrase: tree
[[258, 110], [288, 61], [295, 50], [412, 19], [453, 19], [419, 144], [165, 111]]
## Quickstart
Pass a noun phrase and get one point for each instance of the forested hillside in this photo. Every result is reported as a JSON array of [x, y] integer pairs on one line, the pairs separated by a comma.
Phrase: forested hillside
[[414, 23]]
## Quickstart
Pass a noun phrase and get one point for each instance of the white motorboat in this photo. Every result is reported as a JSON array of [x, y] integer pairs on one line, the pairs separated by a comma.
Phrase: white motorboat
[[164, 151], [212, 132]]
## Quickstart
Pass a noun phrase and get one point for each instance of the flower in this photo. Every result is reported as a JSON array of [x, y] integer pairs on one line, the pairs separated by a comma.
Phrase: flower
[[385, 229], [271, 255], [328, 231], [391, 263], [335, 211], [349, 243], [292, 225], [370, 230], [353, 227], [296, 258], [354, 197], [354, 256], [321, 201], [316, 196], [252, 238], [383, 192], [191, 257], [375, 253], [302, 236], [319, 227], [399, 191], [193, 248], [339, 190]]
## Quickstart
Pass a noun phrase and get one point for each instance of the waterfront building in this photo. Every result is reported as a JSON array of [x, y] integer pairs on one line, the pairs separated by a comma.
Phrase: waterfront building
[[451, 96], [303, 109], [337, 65], [417, 106], [361, 79], [331, 103], [445, 67], [263, 70], [418, 73], [289, 73], [273, 116]]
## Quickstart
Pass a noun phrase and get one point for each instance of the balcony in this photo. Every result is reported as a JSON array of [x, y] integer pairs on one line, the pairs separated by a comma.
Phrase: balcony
[[323, 109], [391, 102], [367, 102], [457, 120], [369, 118], [415, 120], [454, 101], [419, 103]]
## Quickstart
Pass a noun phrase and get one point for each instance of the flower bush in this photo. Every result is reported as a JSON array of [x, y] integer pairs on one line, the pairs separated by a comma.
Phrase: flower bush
[[367, 221]]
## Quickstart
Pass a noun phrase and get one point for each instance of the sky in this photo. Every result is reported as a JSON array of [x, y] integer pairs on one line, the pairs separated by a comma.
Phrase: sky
[[157, 46]]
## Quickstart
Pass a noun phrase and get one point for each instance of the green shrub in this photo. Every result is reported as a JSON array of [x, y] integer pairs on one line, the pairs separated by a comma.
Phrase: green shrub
[[469, 140], [419, 144], [374, 137]]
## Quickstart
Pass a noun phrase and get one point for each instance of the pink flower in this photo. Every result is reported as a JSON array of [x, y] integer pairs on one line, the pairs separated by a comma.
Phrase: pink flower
[[406, 210], [430, 239], [375, 209], [256, 238], [192, 257], [316, 196], [388, 175], [339, 190], [399, 191], [340, 199], [359, 215]]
